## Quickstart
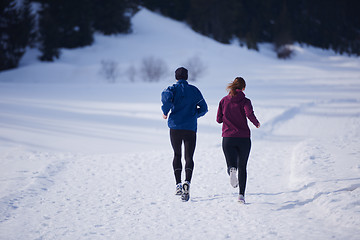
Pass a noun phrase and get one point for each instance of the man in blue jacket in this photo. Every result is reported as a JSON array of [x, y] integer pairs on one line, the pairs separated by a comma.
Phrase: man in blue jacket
[[185, 104]]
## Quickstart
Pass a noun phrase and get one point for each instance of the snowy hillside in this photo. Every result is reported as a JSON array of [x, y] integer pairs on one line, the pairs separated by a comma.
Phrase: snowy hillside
[[82, 158]]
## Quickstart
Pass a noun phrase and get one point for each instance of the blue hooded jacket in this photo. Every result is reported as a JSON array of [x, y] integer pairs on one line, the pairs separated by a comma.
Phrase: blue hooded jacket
[[186, 104]]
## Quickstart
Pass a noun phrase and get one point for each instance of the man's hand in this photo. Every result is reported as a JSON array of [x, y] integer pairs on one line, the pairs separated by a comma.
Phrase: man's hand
[[164, 116]]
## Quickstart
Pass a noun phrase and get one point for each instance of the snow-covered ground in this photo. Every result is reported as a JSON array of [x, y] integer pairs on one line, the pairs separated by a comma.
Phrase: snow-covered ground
[[81, 158]]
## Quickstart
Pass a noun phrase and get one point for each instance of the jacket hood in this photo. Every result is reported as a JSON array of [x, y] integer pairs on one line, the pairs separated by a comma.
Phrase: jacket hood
[[240, 95]]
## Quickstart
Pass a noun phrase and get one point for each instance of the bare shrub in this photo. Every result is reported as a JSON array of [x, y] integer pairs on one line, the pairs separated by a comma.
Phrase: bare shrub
[[109, 69], [131, 73], [196, 68], [153, 69]]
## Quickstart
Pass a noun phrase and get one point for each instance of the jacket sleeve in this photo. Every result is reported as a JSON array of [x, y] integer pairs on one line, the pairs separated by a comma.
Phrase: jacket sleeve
[[201, 106], [219, 116], [250, 113], [167, 100]]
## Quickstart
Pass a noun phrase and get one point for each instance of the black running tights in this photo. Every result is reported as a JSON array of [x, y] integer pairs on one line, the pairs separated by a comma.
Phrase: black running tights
[[236, 151], [177, 137]]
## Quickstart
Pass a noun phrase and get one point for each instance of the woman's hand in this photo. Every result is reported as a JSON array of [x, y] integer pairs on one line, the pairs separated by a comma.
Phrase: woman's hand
[[258, 126]]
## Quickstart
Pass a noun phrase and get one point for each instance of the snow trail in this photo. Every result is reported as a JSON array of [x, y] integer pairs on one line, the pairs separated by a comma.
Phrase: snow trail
[[133, 197]]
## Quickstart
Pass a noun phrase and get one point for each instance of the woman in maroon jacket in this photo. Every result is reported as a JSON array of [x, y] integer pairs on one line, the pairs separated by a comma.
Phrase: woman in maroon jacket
[[232, 113]]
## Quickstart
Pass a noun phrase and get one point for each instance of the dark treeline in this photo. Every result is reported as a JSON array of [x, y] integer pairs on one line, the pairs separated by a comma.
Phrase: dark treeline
[[58, 24], [328, 24], [54, 24], [71, 24]]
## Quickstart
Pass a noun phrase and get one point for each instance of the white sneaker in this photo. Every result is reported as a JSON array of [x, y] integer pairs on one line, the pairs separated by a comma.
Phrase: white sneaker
[[186, 192], [233, 178], [241, 199], [178, 189]]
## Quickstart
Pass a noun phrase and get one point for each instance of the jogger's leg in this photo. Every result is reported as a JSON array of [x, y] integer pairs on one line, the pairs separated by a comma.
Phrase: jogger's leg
[[243, 156], [190, 144], [176, 141], [230, 153]]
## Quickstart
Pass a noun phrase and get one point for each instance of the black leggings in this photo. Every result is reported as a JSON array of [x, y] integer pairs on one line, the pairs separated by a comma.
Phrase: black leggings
[[177, 137], [236, 151]]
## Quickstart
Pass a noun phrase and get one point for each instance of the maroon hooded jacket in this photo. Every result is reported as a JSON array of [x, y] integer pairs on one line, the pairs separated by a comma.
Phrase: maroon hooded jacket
[[232, 112]]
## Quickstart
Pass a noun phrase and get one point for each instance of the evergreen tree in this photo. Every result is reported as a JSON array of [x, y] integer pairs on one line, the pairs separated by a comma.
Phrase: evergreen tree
[[28, 21], [250, 23], [64, 24], [15, 27], [75, 28], [113, 16], [176, 9], [213, 18], [49, 32]]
